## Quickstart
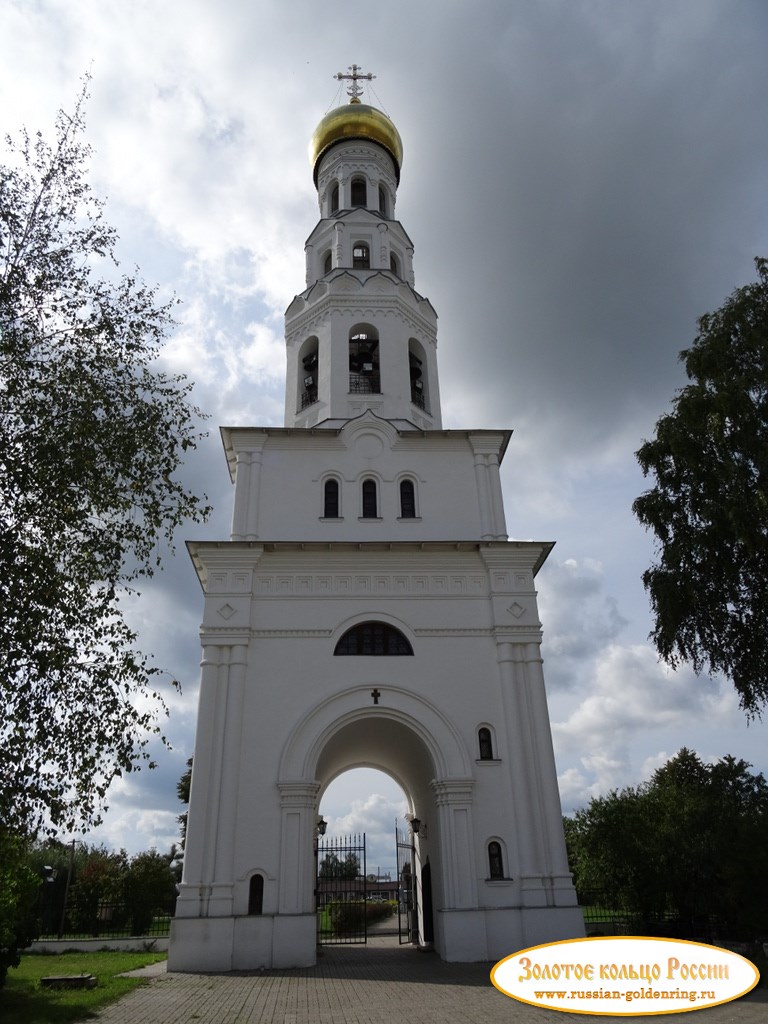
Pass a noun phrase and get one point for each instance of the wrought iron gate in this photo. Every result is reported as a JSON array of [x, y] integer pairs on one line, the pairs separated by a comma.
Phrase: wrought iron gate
[[341, 890], [407, 908]]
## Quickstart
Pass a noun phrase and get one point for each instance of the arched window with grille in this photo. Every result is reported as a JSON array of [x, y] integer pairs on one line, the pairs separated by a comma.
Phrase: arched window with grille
[[373, 639], [256, 894], [331, 499], [407, 500], [485, 743], [361, 256], [495, 860], [370, 502]]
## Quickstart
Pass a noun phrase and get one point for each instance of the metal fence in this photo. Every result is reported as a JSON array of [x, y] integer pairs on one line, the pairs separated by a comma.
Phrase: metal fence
[[603, 917], [91, 920]]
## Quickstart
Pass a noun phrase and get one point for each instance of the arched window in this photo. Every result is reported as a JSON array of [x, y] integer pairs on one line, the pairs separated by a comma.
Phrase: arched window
[[335, 199], [328, 262], [308, 373], [361, 256], [407, 500], [417, 371], [359, 193], [256, 894], [364, 375], [331, 499], [495, 860], [485, 743], [393, 265], [382, 200], [375, 639], [370, 504]]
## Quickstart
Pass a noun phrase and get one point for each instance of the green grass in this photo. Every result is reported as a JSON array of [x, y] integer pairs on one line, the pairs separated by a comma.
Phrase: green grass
[[23, 1001]]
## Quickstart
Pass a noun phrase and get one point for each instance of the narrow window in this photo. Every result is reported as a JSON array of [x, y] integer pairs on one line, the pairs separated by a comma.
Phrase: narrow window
[[361, 257], [495, 862], [331, 499], [374, 639], [328, 263], [382, 200], [335, 199], [485, 743], [407, 500], [393, 264], [369, 499], [359, 192], [256, 894]]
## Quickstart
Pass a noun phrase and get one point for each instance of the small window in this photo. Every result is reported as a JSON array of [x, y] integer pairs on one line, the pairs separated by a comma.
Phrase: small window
[[328, 262], [495, 861], [393, 266], [359, 192], [407, 500], [377, 639], [382, 200], [256, 894], [485, 743], [331, 499], [335, 199], [361, 257], [370, 505]]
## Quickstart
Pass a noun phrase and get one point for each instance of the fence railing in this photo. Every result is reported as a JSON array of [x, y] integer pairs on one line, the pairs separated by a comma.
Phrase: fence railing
[[104, 920]]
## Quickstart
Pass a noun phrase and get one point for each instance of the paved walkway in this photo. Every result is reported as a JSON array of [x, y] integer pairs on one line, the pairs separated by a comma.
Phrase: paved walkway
[[376, 984]]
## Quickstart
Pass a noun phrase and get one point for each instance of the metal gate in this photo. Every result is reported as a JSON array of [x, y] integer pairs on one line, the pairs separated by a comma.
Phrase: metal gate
[[341, 890], [407, 908]]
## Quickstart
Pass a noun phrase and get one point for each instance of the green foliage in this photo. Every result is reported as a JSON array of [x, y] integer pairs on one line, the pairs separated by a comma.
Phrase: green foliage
[[691, 844], [332, 867], [25, 1002], [92, 434], [19, 900], [183, 790], [709, 506], [349, 916]]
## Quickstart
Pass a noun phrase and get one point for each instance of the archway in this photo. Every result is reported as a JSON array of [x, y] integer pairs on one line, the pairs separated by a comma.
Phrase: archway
[[412, 741]]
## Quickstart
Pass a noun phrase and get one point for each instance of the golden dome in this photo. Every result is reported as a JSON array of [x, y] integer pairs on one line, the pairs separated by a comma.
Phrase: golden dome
[[355, 120]]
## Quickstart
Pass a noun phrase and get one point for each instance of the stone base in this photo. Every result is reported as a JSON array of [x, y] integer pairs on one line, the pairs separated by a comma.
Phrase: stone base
[[223, 944]]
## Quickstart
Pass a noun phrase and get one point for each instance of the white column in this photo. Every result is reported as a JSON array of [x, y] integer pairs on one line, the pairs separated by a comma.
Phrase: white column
[[543, 752], [298, 802], [383, 254], [309, 276], [338, 248], [453, 798], [497, 501], [242, 492], [484, 496], [233, 697]]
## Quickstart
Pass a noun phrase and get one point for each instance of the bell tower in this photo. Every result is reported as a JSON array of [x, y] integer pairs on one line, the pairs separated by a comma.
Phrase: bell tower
[[368, 610], [360, 336]]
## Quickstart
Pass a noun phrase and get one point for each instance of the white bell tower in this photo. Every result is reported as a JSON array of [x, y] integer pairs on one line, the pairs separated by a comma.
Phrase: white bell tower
[[368, 610]]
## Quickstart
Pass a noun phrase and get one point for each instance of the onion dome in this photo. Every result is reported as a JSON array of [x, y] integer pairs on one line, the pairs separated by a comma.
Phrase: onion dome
[[355, 120]]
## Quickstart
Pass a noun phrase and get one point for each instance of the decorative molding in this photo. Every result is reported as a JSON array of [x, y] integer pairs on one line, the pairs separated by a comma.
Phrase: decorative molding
[[395, 584]]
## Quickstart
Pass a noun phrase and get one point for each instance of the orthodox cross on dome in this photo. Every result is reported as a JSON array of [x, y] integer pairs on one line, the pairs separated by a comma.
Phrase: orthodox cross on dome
[[355, 91]]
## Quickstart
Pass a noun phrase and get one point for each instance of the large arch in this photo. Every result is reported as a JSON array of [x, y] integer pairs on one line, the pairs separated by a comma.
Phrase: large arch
[[447, 753]]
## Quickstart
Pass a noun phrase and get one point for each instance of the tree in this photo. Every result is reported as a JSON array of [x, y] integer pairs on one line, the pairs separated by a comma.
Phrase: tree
[[709, 506], [92, 433], [183, 790], [690, 844]]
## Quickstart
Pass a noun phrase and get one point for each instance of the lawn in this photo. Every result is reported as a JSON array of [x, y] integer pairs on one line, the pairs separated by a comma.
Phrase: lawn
[[23, 1001]]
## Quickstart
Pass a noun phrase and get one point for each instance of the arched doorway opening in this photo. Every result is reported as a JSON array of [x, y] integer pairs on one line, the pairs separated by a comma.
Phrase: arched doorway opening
[[385, 837]]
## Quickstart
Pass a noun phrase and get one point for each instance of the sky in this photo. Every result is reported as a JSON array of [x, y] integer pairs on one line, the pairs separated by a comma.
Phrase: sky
[[582, 179]]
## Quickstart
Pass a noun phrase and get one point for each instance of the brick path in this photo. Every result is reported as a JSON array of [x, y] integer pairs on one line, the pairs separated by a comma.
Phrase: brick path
[[377, 984]]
